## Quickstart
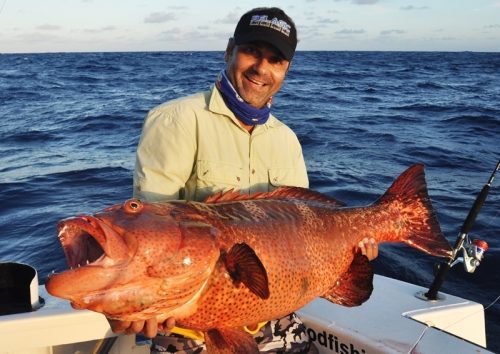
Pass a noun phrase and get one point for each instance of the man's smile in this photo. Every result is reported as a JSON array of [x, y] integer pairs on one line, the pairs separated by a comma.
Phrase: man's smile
[[255, 81]]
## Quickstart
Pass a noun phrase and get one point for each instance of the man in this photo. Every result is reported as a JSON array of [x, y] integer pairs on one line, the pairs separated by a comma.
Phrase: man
[[221, 139]]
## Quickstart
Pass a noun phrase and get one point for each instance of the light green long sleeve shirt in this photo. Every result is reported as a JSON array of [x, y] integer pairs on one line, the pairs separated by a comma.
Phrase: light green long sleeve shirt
[[193, 147]]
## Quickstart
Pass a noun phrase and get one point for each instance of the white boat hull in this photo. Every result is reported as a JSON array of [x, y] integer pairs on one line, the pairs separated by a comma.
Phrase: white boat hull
[[394, 320]]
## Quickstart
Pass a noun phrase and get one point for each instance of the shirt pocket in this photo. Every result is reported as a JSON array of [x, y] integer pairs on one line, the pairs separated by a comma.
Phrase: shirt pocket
[[214, 176], [283, 177]]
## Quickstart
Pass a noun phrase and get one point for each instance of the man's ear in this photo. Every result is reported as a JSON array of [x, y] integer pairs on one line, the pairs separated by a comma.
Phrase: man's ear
[[229, 49]]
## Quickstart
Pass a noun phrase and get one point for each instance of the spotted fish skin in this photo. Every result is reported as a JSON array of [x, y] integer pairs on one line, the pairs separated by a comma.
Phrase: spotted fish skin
[[236, 260]]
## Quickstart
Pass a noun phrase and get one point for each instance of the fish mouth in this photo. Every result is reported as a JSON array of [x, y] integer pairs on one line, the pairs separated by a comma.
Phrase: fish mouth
[[96, 253], [85, 241]]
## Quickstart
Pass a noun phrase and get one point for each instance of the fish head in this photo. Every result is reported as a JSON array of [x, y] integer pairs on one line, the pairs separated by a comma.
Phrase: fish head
[[131, 257]]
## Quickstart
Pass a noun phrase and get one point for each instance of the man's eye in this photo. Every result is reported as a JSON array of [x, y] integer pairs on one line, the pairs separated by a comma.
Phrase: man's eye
[[276, 60], [249, 50]]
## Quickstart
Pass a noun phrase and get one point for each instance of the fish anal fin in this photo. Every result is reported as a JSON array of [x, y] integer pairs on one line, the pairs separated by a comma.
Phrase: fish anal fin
[[284, 192], [245, 266], [230, 341], [354, 286]]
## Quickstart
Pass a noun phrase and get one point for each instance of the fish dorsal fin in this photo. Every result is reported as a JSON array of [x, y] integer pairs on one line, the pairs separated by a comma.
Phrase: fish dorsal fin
[[284, 192], [230, 341], [245, 267], [354, 286]]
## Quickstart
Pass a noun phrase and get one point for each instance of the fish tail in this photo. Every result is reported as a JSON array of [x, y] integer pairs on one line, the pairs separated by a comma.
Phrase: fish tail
[[417, 224]]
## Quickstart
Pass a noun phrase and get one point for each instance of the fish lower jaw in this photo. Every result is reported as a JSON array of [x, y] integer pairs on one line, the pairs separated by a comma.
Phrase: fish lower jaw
[[79, 265], [102, 262], [78, 306]]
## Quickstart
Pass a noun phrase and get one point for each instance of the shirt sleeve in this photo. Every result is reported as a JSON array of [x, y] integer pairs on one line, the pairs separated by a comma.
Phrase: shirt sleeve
[[302, 179], [165, 155]]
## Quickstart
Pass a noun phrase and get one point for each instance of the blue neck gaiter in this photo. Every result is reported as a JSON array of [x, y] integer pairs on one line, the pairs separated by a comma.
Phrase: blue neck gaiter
[[242, 110]]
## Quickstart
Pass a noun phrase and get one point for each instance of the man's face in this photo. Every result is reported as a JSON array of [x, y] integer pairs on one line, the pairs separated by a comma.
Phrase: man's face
[[256, 70]]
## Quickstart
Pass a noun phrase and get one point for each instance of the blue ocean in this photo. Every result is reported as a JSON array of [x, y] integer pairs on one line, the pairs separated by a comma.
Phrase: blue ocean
[[71, 123]]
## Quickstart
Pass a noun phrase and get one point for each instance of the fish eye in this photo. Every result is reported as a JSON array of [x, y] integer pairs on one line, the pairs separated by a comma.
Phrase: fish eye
[[133, 206]]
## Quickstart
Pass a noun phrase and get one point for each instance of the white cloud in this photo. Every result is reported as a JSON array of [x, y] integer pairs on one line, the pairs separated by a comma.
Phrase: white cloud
[[412, 8], [232, 17], [99, 30], [364, 2], [327, 21], [391, 31], [48, 27], [350, 31], [159, 17], [361, 2]]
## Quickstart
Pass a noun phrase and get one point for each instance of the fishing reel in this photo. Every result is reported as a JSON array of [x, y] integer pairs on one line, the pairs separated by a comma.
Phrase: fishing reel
[[472, 251], [472, 254]]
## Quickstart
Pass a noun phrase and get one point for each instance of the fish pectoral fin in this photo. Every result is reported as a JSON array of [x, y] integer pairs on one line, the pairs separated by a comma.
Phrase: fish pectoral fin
[[244, 266], [354, 286], [230, 341]]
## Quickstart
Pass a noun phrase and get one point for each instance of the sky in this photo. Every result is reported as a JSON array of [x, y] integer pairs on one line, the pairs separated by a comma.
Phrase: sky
[[30, 26]]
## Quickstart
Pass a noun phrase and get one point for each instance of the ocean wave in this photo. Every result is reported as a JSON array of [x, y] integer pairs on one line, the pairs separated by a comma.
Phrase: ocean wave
[[72, 121], [486, 121], [429, 85], [29, 137]]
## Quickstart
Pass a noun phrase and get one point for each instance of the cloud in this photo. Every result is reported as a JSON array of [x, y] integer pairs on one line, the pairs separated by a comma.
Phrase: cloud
[[159, 17], [100, 30], [364, 2], [492, 26], [391, 31], [361, 2], [350, 31], [412, 8], [37, 37], [446, 38], [327, 21], [232, 18], [48, 27], [172, 34]]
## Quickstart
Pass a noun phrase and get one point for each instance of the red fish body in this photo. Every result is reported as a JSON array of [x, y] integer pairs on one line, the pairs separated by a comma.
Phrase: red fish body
[[236, 260]]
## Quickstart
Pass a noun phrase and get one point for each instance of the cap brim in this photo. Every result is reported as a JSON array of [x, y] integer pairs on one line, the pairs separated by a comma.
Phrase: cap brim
[[285, 49]]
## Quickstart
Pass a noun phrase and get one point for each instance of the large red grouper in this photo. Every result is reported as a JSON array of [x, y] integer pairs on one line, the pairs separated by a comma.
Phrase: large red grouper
[[236, 260]]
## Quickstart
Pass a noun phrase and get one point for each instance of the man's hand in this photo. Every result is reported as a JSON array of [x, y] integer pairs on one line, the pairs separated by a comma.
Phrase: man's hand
[[148, 328], [369, 248]]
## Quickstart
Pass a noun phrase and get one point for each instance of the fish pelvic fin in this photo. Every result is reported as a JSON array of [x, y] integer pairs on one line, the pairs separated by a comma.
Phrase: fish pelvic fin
[[354, 286], [245, 266], [418, 222], [284, 192], [230, 341]]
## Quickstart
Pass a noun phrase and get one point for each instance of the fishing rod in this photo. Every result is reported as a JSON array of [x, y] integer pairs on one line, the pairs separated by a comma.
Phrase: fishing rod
[[472, 251]]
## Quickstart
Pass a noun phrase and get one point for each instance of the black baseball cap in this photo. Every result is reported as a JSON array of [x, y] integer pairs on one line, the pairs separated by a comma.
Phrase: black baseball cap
[[268, 24]]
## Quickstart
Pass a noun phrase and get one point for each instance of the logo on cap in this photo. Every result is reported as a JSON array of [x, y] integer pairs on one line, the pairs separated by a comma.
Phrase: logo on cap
[[278, 25]]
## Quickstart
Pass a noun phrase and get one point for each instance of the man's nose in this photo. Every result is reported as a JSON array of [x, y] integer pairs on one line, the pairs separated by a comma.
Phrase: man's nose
[[261, 65]]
